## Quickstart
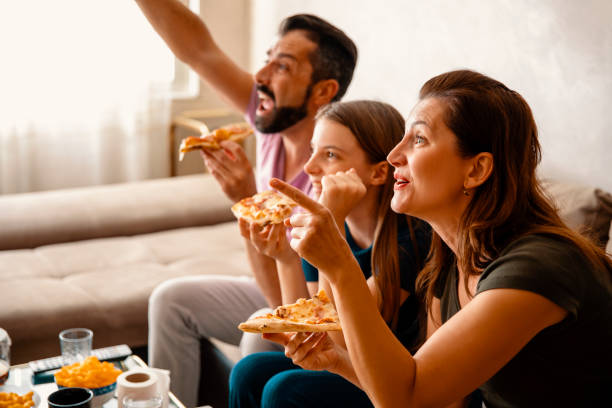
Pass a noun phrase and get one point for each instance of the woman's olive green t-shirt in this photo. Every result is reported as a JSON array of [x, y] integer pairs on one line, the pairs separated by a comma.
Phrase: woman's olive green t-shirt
[[568, 364]]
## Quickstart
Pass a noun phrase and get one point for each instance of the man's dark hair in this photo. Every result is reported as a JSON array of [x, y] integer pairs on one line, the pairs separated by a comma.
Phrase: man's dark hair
[[336, 53]]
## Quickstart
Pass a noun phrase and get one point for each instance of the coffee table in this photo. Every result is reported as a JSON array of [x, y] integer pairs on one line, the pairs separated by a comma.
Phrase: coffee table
[[20, 377]]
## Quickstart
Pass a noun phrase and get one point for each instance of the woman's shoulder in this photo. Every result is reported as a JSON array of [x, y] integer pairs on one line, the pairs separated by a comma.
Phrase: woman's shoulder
[[549, 265], [541, 241], [538, 251]]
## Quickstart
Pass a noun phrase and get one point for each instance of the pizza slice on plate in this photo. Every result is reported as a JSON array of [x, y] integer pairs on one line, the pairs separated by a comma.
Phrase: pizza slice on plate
[[306, 315], [267, 207], [234, 132]]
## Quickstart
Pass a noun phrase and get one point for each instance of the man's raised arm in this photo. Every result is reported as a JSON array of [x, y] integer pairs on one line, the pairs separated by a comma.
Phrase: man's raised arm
[[189, 39]]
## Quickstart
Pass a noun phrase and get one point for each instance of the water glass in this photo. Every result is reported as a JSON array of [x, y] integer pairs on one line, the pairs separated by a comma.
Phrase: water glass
[[75, 344], [5, 355], [153, 402]]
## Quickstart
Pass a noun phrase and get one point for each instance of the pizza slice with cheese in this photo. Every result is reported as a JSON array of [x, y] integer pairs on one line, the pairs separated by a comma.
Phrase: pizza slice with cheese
[[233, 132], [267, 207], [306, 315]]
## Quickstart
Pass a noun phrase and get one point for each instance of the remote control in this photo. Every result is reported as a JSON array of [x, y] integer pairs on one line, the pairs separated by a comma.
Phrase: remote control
[[103, 354]]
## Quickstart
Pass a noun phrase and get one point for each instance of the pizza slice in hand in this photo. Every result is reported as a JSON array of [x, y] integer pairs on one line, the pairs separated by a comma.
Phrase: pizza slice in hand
[[267, 207], [306, 315], [233, 132]]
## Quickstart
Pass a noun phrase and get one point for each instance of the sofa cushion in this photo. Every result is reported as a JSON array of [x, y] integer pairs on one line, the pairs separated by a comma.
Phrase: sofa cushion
[[33, 219], [104, 284], [583, 208]]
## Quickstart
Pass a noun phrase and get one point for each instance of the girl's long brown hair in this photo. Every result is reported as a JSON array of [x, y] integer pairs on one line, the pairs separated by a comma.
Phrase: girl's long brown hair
[[378, 127], [486, 116]]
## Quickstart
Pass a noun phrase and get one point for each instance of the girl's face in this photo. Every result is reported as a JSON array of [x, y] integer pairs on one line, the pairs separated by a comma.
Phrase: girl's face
[[334, 149], [429, 171]]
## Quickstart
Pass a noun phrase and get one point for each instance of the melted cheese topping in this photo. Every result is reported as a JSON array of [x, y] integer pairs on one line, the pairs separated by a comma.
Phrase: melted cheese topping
[[317, 310], [265, 207]]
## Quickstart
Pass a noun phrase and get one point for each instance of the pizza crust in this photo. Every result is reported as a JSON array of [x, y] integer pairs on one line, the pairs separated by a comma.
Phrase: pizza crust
[[273, 325]]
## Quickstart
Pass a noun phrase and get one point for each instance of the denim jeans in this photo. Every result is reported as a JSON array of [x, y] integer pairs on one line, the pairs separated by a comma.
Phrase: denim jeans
[[271, 380]]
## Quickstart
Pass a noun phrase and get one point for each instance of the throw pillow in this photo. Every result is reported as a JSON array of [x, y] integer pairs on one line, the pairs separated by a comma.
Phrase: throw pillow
[[583, 208]]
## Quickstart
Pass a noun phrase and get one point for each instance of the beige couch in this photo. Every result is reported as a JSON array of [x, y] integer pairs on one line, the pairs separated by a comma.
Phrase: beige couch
[[90, 257]]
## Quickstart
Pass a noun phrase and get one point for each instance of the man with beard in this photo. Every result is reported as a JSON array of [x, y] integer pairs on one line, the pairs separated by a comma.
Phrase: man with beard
[[310, 65]]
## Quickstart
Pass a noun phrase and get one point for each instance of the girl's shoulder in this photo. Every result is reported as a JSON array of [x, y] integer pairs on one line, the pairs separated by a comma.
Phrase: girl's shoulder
[[409, 227]]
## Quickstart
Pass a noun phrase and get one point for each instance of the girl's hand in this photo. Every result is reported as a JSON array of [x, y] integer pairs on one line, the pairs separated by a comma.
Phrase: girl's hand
[[270, 240], [312, 351], [315, 235], [341, 192]]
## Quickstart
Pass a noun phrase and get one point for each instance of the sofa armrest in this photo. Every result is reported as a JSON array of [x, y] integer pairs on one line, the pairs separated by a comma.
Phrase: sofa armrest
[[33, 219]]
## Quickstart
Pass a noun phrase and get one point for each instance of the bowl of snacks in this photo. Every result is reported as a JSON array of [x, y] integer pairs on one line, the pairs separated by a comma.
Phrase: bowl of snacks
[[99, 377], [17, 398]]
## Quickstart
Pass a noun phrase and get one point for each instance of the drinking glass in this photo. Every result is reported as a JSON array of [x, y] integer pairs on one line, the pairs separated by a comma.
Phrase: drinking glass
[[75, 344], [5, 355], [153, 402]]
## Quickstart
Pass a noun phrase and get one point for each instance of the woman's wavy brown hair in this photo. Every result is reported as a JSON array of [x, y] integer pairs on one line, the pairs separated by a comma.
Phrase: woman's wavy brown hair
[[486, 116], [378, 127]]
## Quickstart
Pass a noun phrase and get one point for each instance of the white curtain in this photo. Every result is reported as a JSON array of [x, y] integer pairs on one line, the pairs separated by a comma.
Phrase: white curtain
[[84, 95]]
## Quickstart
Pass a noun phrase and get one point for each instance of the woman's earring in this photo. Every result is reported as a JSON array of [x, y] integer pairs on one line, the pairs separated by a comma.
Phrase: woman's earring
[[465, 192]]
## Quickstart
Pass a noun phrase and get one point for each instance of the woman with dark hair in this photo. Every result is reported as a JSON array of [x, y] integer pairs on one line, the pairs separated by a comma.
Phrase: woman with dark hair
[[351, 177], [519, 305]]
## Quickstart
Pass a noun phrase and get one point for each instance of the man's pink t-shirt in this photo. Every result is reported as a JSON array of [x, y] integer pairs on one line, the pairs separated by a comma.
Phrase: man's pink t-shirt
[[271, 155]]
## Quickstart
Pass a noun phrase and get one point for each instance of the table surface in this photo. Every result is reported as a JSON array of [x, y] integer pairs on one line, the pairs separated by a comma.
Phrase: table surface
[[20, 377]]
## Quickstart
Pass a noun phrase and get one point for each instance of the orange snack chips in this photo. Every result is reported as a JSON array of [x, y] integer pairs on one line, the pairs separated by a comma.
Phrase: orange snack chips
[[89, 373], [13, 400]]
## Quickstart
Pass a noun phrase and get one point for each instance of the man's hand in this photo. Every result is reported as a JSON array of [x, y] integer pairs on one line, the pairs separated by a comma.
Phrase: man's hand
[[232, 169]]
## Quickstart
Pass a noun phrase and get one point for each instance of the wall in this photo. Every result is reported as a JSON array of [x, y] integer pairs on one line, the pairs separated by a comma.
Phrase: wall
[[556, 53]]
